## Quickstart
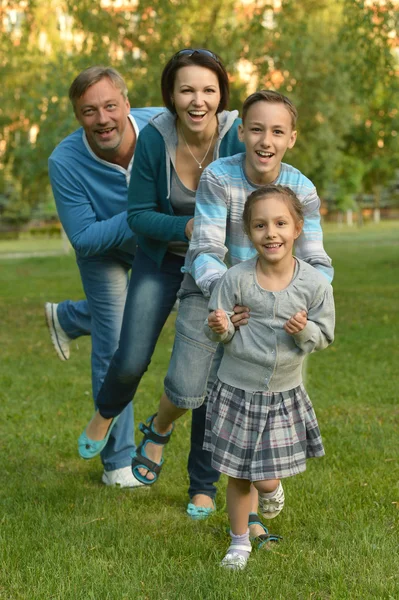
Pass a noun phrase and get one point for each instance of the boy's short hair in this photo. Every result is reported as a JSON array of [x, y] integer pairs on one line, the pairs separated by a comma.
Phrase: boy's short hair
[[294, 204], [272, 97], [93, 75]]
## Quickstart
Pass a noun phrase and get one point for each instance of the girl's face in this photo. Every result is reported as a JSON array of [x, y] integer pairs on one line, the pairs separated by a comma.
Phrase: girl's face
[[273, 230], [196, 97]]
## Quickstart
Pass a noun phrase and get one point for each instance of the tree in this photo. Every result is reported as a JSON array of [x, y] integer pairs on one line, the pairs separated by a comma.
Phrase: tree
[[332, 57]]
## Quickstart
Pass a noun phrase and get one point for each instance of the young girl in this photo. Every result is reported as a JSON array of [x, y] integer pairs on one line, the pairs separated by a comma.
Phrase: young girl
[[260, 423]]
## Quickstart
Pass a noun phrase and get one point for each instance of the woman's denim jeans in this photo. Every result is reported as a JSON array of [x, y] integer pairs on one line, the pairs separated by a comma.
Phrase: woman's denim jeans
[[151, 297]]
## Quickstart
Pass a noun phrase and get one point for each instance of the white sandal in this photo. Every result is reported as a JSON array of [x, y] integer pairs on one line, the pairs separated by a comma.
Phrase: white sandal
[[235, 561]]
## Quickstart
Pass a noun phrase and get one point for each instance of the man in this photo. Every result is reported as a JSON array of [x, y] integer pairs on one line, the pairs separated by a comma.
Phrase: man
[[89, 173]]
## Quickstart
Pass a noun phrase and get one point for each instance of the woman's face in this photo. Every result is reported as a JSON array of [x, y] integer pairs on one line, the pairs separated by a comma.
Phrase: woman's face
[[196, 97]]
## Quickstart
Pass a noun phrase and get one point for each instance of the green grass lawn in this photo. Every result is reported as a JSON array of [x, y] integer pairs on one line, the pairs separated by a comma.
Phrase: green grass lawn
[[28, 244], [65, 536]]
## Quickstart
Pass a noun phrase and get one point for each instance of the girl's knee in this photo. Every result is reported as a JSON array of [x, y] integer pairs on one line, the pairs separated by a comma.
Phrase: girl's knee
[[266, 486], [243, 485]]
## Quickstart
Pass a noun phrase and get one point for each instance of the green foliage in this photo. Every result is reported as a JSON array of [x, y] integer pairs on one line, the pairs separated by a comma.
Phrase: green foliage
[[348, 182], [369, 35], [334, 58]]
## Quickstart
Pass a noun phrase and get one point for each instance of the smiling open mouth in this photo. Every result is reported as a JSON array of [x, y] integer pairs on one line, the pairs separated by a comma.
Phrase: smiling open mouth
[[197, 115], [264, 154], [105, 131], [269, 246]]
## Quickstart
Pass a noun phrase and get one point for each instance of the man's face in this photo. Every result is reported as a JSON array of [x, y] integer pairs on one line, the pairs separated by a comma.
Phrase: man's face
[[267, 133], [103, 113]]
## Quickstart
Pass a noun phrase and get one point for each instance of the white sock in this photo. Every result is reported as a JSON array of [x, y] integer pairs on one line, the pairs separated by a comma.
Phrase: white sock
[[269, 495], [241, 540]]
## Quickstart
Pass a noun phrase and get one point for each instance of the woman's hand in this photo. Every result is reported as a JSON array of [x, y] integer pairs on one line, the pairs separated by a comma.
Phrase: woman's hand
[[297, 323], [218, 321], [240, 317], [189, 228]]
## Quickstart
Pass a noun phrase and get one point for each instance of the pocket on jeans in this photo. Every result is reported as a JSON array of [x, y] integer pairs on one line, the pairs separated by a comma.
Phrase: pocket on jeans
[[183, 293], [191, 316]]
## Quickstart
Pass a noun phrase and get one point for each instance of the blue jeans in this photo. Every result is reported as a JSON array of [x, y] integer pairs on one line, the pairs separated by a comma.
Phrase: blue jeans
[[151, 296], [105, 282], [150, 299]]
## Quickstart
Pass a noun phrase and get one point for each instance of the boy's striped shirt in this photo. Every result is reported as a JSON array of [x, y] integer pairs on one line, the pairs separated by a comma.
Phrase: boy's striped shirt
[[218, 239]]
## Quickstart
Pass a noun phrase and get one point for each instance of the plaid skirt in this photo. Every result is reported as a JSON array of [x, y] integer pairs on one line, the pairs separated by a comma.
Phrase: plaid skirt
[[261, 435]]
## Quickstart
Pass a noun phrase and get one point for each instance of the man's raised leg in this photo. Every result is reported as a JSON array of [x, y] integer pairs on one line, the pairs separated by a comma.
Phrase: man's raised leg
[[66, 322]]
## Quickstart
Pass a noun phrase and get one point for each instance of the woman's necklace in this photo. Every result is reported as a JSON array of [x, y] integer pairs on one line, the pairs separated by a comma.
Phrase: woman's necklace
[[199, 162]]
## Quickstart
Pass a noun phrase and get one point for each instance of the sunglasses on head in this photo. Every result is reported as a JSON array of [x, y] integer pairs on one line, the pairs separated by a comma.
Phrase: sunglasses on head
[[191, 51]]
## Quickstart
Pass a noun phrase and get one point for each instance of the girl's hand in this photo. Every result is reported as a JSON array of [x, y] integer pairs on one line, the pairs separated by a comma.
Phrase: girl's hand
[[189, 228], [296, 323], [240, 317], [218, 321]]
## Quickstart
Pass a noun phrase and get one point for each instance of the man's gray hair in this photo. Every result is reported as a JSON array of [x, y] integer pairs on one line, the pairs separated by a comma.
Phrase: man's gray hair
[[93, 75]]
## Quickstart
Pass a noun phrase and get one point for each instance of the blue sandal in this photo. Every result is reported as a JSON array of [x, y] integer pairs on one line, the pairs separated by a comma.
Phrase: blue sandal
[[264, 538], [141, 460]]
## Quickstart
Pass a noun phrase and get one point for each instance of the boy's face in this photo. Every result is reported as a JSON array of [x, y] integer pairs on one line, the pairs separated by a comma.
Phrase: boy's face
[[267, 133]]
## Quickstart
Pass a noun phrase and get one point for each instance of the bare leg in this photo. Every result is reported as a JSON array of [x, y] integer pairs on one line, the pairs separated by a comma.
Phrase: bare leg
[[271, 497], [266, 486], [202, 500], [254, 530], [167, 414], [238, 504], [98, 427]]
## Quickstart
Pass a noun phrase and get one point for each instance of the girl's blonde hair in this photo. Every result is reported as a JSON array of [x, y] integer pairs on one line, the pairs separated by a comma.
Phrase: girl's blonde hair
[[284, 192]]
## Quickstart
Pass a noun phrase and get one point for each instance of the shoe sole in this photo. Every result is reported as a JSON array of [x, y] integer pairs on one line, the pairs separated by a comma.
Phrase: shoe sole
[[49, 314], [270, 515], [124, 487]]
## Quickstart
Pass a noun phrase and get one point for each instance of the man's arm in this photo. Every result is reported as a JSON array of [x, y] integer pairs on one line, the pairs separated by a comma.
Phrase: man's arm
[[205, 256], [87, 235], [309, 246]]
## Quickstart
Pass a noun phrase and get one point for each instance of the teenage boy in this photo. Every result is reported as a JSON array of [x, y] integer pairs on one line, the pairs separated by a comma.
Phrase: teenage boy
[[218, 241], [268, 131]]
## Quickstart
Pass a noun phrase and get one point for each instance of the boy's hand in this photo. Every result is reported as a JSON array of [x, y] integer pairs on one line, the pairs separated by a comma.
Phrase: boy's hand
[[218, 321], [296, 323], [240, 317], [189, 229]]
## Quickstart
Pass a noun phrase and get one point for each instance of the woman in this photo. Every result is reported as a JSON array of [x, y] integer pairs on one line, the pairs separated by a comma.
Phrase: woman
[[170, 155]]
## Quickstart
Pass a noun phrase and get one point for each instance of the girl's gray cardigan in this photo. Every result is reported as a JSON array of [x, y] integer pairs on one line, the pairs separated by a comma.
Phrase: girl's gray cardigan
[[261, 356]]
